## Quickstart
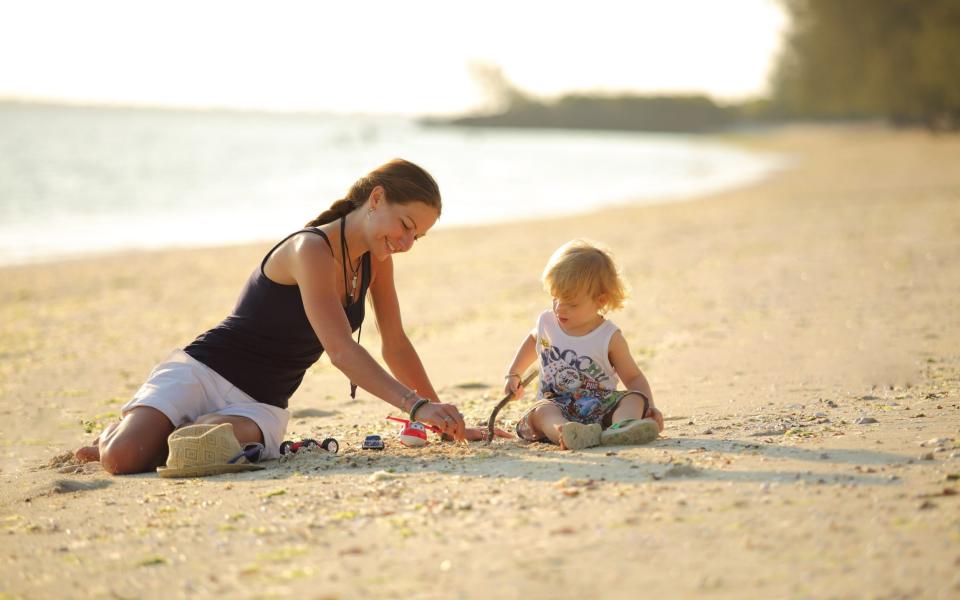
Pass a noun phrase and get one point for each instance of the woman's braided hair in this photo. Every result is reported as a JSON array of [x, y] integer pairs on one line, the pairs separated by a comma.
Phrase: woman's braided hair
[[403, 182]]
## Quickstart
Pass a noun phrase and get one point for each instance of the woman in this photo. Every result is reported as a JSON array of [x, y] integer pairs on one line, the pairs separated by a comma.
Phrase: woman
[[305, 298]]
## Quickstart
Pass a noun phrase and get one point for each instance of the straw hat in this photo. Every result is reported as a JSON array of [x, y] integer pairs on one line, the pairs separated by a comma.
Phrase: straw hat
[[201, 450]]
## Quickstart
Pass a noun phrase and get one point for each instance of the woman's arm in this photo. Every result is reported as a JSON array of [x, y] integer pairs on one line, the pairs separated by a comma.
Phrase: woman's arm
[[310, 263], [397, 350]]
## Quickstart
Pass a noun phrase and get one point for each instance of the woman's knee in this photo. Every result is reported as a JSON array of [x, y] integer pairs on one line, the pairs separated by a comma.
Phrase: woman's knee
[[137, 444], [126, 454]]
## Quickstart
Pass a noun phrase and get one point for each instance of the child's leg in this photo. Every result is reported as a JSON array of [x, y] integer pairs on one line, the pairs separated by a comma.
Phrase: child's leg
[[628, 423], [546, 420], [632, 406]]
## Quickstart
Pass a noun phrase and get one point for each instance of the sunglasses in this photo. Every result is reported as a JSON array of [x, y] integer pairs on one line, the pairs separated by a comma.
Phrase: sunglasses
[[252, 452]]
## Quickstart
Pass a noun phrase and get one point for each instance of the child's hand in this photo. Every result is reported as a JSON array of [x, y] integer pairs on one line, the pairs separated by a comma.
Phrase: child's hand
[[655, 414], [513, 387]]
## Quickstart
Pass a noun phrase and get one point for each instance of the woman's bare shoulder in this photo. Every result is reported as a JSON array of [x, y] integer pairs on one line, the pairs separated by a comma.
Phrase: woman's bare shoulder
[[304, 251]]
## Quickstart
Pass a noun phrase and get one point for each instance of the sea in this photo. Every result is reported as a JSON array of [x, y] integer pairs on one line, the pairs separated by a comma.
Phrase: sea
[[76, 181]]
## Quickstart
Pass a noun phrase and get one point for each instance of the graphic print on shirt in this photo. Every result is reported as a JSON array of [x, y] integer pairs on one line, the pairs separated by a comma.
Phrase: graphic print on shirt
[[564, 372]]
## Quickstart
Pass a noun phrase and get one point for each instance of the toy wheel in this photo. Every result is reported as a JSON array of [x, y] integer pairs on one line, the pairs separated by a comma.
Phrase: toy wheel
[[330, 445], [285, 447]]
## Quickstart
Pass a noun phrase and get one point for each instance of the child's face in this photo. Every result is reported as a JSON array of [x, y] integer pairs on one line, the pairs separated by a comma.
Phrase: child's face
[[576, 312]]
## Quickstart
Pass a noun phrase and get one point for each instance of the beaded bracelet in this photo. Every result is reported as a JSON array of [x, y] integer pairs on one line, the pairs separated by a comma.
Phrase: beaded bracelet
[[416, 407]]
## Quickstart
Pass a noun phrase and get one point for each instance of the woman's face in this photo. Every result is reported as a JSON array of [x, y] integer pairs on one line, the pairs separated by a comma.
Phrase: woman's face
[[395, 227]]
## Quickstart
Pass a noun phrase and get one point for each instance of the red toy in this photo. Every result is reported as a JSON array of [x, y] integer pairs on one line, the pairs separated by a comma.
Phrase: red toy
[[414, 434]]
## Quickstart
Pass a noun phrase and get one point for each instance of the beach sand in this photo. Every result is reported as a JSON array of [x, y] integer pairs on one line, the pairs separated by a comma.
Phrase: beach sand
[[801, 335]]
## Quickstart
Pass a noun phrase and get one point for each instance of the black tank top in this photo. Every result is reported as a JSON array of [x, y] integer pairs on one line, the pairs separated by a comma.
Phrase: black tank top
[[266, 345]]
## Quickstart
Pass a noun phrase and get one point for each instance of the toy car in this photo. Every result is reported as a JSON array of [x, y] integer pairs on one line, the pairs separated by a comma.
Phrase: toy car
[[372, 442], [329, 444]]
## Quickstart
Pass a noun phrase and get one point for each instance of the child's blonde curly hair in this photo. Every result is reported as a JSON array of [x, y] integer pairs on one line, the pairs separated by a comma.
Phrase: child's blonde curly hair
[[582, 266]]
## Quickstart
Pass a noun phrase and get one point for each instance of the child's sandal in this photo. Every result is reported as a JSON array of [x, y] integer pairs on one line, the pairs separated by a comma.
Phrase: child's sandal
[[630, 432], [577, 436]]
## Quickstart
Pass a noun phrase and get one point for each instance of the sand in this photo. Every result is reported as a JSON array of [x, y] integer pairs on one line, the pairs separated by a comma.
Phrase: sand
[[801, 335]]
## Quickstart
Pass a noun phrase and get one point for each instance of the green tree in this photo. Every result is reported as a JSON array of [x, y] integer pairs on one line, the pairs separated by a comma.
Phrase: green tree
[[898, 59]]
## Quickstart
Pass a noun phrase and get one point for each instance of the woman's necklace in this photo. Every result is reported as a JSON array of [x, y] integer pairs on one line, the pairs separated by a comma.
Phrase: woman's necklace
[[345, 251], [345, 256]]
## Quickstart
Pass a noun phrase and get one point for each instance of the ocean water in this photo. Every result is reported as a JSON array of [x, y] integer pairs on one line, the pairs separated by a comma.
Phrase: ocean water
[[75, 180]]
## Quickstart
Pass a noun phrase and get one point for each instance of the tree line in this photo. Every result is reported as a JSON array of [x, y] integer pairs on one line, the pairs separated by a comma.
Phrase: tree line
[[893, 59], [841, 59], [619, 112]]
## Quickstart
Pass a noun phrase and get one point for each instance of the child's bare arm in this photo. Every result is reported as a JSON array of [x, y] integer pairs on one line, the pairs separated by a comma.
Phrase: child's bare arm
[[526, 354], [630, 374], [626, 367]]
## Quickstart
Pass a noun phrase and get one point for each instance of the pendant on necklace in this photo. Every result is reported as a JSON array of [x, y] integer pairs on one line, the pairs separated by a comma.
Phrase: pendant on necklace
[[353, 284]]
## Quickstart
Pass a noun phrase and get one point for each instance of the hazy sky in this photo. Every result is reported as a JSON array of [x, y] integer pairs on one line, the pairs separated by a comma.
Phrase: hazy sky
[[396, 57]]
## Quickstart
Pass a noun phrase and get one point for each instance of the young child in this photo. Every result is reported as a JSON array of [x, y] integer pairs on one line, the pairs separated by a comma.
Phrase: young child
[[581, 357]]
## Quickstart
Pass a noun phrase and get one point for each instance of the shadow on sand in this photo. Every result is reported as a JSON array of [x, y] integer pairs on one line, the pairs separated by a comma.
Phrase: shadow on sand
[[546, 463]]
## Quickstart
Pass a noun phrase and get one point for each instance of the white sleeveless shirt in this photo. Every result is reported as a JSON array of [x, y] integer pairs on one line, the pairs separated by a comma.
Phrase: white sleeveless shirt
[[574, 364]]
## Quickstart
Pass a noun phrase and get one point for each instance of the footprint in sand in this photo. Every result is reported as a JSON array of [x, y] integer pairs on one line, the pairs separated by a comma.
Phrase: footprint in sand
[[681, 470], [313, 412], [64, 486]]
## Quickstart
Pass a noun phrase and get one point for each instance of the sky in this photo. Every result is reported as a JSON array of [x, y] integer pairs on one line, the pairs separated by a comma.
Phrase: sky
[[400, 57]]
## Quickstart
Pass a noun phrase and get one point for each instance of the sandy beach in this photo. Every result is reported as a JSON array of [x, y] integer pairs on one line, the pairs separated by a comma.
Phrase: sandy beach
[[801, 336]]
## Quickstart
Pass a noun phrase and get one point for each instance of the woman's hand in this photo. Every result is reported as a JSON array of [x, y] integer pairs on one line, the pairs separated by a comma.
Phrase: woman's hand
[[446, 417]]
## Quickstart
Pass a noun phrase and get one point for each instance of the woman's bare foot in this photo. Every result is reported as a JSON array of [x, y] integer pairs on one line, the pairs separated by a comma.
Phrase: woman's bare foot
[[577, 436], [90, 453]]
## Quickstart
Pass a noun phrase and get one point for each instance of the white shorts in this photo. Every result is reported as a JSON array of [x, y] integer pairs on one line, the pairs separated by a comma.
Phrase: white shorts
[[183, 389]]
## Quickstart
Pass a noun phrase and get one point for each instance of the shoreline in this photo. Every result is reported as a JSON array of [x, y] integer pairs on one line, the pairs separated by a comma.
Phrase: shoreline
[[800, 335], [679, 197], [95, 255], [532, 220], [214, 202]]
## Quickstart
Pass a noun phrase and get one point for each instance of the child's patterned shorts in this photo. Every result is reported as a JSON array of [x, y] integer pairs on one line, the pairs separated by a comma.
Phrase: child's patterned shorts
[[582, 408]]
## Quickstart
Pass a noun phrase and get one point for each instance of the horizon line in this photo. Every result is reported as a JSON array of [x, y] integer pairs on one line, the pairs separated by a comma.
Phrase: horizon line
[[54, 101]]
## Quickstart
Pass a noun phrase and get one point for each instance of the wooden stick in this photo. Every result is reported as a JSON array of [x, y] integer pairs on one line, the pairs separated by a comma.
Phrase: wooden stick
[[493, 416]]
